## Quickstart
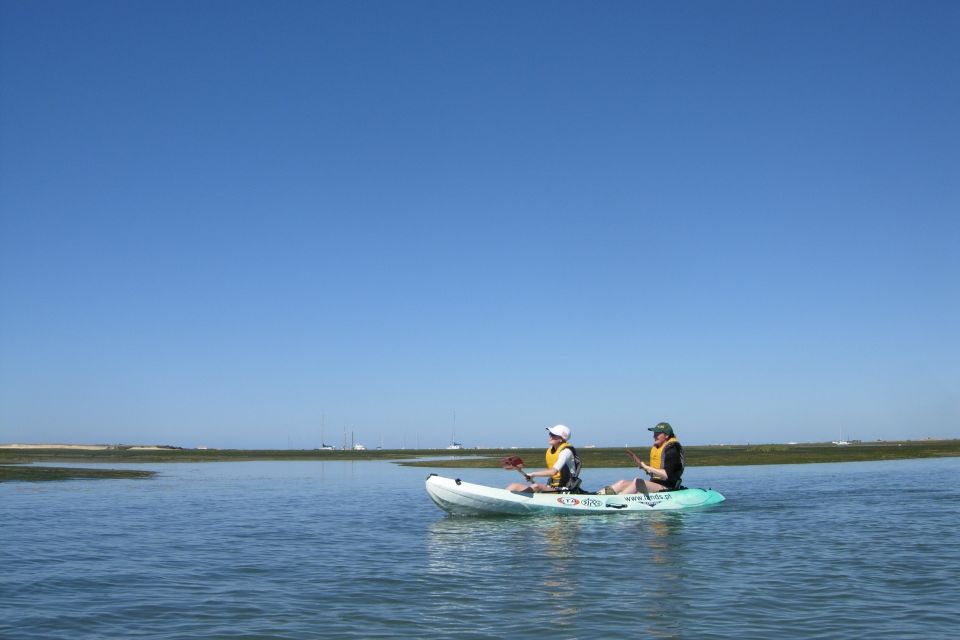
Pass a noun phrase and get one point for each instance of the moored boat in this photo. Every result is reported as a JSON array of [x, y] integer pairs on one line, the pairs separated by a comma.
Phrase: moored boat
[[465, 498]]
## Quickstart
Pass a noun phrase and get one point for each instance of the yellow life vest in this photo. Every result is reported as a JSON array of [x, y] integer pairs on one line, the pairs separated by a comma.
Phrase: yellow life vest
[[656, 453], [552, 456]]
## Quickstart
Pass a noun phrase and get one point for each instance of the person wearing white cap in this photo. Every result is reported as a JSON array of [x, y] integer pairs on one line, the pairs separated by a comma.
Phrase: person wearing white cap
[[563, 465]]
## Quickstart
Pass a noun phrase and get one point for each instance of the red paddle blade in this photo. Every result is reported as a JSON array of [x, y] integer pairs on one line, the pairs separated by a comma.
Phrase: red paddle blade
[[512, 462]]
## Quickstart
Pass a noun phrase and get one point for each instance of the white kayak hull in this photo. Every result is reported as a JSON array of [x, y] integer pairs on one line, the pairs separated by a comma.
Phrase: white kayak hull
[[464, 498]]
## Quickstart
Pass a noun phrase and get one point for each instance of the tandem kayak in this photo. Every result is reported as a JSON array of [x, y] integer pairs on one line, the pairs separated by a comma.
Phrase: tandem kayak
[[467, 499]]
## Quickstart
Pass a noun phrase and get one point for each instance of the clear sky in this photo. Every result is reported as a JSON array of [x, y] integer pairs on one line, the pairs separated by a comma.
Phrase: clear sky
[[230, 223]]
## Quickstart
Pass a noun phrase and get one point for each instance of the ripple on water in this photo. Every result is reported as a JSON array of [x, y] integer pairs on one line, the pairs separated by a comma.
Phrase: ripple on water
[[295, 550]]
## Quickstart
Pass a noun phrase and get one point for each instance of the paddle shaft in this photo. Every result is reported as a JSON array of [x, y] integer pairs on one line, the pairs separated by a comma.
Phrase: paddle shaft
[[528, 478]]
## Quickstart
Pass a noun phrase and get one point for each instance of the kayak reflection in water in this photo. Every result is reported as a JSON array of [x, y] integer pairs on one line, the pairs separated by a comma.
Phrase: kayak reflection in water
[[563, 466], [665, 467]]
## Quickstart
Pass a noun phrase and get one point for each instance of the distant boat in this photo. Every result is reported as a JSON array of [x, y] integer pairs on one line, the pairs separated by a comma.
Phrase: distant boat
[[453, 435], [841, 442], [359, 447], [323, 425]]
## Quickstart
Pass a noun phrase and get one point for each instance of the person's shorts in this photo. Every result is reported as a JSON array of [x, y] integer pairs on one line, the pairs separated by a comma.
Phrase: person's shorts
[[668, 487]]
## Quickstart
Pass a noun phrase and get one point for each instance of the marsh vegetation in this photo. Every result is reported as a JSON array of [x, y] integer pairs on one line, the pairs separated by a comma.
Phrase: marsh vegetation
[[15, 463]]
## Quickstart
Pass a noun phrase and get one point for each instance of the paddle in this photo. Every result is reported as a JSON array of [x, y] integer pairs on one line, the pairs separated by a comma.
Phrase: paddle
[[650, 471], [515, 462], [637, 459]]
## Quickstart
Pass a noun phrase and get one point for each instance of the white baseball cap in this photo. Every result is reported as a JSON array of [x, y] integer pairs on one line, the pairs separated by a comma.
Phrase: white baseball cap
[[560, 431]]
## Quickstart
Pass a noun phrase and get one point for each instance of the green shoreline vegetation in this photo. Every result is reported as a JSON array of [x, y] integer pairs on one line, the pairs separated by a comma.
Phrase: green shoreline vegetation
[[12, 459], [14, 473]]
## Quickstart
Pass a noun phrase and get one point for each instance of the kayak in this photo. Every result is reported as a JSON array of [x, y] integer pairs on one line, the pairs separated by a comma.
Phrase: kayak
[[464, 498]]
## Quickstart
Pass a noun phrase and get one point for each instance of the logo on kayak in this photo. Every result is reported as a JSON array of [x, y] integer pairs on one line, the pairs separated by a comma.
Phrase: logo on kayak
[[573, 502], [651, 500]]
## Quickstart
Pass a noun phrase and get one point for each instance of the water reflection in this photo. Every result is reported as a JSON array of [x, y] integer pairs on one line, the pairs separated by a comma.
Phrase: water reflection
[[663, 530], [576, 571], [521, 562], [105, 559], [560, 584], [666, 567]]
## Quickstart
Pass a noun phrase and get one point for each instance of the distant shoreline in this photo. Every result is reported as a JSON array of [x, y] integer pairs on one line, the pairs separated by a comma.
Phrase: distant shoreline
[[92, 447], [711, 455], [27, 463], [460, 451]]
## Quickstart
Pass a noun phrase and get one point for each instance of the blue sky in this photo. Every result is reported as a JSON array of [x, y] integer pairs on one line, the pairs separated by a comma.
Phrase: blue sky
[[227, 223]]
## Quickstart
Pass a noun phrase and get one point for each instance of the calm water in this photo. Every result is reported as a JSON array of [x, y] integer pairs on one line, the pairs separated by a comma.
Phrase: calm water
[[357, 550]]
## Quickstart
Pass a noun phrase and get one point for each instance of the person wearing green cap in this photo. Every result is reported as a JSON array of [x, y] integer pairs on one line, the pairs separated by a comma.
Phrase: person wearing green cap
[[665, 468]]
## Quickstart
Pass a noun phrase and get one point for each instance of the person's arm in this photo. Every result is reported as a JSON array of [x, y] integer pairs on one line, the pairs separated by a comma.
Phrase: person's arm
[[653, 472], [646, 468], [562, 459]]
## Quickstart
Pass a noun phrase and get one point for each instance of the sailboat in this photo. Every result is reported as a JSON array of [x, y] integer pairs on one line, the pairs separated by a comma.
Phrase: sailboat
[[453, 436], [841, 442], [323, 445]]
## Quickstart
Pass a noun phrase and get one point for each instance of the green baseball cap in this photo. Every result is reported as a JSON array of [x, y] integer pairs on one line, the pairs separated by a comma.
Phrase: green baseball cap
[[663, 427]]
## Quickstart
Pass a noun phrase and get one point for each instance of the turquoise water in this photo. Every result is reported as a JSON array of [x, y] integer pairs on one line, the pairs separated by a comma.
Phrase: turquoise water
[[357, 550]]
